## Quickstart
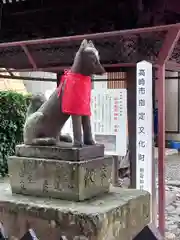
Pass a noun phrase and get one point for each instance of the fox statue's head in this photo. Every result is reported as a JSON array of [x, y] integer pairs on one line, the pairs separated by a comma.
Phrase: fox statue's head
[[87, 60]]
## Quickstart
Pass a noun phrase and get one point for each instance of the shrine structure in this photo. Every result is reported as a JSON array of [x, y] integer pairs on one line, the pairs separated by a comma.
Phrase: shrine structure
[[119, 49]]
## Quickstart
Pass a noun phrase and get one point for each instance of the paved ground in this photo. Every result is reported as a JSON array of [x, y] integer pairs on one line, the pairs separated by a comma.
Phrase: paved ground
[[172, 213], [172, 169]]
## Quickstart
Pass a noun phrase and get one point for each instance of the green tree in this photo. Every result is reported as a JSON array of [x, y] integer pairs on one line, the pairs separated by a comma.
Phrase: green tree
[[13, 108]]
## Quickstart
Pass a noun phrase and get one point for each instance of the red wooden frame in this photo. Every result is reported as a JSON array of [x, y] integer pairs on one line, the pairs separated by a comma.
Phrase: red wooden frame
[[25, 44]]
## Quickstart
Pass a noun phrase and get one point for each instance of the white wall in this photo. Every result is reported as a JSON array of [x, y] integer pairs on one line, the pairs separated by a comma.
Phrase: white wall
[[39, 86], [172, 110], [171, 106], [171, 101]]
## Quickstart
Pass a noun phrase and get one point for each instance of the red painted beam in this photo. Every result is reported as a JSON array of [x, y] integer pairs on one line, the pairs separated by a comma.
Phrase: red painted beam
[[170, 65], [171, 39], [92, 36], [29, 56], [61, 68]]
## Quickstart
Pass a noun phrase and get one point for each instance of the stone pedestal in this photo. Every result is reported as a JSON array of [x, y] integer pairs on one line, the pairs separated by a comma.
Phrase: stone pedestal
[[80, 175], [56, 172], [120, 214]]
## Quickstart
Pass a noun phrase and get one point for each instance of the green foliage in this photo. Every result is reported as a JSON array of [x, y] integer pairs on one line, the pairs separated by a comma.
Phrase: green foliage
[[13, 108]]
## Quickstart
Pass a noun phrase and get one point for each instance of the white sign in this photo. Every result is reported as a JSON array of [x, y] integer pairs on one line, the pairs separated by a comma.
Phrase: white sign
[[144, 158], [100, 81], [109, 120]]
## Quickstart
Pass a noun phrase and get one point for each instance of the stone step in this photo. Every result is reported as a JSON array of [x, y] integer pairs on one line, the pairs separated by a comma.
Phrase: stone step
[[63, 152]]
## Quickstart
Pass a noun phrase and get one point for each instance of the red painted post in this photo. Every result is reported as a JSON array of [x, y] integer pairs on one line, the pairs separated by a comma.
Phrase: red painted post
[[161, 145], [170, 41], [29, 56]]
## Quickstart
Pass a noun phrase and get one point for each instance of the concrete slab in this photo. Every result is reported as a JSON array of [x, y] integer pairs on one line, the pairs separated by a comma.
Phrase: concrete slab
[[168, 152]]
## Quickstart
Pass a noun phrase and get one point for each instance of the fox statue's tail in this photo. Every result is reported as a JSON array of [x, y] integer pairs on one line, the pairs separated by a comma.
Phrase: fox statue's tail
[[35, 104]]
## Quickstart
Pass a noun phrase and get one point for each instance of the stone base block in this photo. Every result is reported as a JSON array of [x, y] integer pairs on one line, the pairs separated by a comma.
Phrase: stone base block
[[60, 179], [121, 214], [64, 152]]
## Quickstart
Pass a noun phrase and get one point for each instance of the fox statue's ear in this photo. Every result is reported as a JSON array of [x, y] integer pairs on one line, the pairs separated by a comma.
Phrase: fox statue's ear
[[83, 45], [90, 43]]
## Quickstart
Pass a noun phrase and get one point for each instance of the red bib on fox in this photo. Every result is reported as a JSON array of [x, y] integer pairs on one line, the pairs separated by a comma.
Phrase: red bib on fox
[[76, 98]]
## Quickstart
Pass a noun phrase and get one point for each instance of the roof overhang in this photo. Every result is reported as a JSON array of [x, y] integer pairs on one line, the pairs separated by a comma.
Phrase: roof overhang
[[117, 48]]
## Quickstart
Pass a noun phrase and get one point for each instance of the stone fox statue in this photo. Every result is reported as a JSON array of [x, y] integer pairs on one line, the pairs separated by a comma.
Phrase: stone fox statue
[[71, 98], [37, 100]]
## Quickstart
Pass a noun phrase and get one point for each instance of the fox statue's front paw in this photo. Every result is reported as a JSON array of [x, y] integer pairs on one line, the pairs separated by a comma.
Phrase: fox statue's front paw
[[89, 142], [78, 144]]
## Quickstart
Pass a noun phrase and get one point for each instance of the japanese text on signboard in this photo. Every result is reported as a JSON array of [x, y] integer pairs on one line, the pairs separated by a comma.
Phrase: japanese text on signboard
[[144, 126], [141, 119]]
